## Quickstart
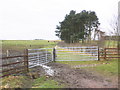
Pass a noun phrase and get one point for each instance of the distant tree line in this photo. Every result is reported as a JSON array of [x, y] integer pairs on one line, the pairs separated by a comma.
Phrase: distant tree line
[[77, 26]]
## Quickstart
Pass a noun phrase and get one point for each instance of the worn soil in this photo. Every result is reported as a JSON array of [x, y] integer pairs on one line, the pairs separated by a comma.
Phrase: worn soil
[[80, 78]]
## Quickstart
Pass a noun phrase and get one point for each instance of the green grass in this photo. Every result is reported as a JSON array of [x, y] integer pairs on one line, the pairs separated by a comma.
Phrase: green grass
[[50, 84], [44, 82], [25, 82], [111, 69]]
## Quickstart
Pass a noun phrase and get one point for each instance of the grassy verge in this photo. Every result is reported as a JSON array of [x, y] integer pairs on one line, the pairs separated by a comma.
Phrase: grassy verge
[[45, 82], [26, 82], [110, 69]]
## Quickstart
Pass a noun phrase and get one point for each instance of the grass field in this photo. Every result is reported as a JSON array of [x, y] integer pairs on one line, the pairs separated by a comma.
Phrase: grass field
[[20, 45]]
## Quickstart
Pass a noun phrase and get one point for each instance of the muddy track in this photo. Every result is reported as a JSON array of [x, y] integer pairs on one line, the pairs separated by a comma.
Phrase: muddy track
[[79, 78]]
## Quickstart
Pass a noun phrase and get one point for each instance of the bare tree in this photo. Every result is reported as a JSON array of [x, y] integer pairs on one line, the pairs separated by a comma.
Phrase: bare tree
[[113, 30], [114, 25]]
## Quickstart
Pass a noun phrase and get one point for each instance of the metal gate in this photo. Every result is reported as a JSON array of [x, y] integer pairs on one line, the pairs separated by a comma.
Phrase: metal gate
[[77, 53], [36, 57]]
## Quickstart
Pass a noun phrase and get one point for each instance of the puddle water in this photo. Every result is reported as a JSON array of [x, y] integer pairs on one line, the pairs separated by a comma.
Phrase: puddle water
[[47, 69]]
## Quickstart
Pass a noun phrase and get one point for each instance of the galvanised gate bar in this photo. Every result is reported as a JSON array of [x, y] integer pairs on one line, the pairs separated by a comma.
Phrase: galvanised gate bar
[[77, 53]]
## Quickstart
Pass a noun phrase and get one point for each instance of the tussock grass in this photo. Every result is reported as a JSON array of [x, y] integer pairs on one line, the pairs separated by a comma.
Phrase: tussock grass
[[16, 82]]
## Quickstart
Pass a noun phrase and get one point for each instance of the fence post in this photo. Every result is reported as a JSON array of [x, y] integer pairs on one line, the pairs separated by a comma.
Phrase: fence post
[[105, 53], [26, 59], [54, 54], [98, 54]]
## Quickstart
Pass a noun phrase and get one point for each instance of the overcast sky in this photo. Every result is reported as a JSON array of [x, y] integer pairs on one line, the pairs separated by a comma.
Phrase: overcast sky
[[37, 19]]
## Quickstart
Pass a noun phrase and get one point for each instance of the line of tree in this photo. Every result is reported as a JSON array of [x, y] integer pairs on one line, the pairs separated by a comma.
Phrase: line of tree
[[77, 26]]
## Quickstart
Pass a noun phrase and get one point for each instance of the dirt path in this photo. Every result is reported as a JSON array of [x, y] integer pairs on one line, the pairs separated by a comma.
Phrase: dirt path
[[79, 78]]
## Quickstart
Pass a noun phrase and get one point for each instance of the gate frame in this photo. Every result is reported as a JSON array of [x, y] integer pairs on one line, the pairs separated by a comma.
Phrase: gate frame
[[38, 54], [97, 53]]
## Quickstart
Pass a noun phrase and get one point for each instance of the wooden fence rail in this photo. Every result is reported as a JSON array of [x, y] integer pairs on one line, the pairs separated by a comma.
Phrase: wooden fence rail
[[109, 53], [14, 64]]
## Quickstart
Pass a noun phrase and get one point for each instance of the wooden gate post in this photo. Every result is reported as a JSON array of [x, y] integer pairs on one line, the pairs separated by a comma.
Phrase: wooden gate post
[[98, 54], [54, 54], [26, 59]]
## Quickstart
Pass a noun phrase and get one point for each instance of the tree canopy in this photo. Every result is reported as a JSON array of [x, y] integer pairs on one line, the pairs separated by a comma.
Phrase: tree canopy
[[77, 26]]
